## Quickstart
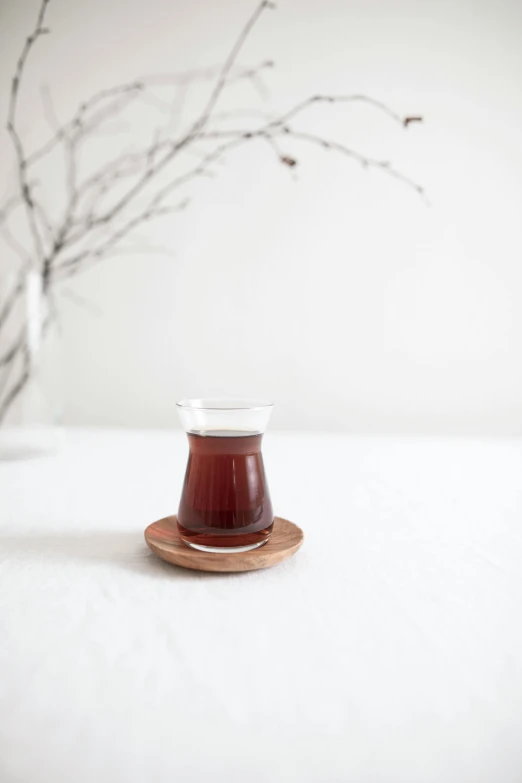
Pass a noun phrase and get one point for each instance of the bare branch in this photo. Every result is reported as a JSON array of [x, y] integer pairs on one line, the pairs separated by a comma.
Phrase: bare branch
[[366, 162], [20, 65], [316, 99], [14, 244], [9, 398], [23, 183], [229, 62], [275, 129], [10, 205], [12, 352], [44, 222], [10, 302], [77, 121], [137, 88], [203, 166], [104, 210], [71, 266]]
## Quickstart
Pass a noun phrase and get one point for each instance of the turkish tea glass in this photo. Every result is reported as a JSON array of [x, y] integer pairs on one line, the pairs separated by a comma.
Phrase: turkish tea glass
[[225, 503]]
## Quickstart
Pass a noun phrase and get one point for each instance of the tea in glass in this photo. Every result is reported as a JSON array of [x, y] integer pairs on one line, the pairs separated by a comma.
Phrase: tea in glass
[[225, 503]]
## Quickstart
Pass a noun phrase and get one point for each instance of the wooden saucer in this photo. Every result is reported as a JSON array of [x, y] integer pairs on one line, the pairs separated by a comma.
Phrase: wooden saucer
[[163, 539]]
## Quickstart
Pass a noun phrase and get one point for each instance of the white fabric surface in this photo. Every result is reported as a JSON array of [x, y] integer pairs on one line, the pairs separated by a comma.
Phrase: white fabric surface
[[388, 650]]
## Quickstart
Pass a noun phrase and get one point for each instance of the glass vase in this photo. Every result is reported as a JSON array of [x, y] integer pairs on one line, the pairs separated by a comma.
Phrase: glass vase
[[30, 388]]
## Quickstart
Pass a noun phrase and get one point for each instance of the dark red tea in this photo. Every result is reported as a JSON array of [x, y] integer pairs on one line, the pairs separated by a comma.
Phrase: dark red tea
[[225, 500]]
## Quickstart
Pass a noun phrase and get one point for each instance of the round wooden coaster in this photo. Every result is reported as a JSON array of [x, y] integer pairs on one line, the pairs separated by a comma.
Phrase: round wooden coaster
[[163, 539]]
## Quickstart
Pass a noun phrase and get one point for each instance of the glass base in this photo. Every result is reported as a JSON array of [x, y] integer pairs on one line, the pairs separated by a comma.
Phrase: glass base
[[222, 550]]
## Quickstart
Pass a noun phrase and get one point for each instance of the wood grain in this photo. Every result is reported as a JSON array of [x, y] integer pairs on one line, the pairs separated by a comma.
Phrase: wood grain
[[163, 539]]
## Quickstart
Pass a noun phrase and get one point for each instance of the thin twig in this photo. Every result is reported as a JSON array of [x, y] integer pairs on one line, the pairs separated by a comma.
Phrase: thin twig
[[10, 205], [69, 266], [18, 386], [10, 302], [316, 99], [25, 189], [15, 245], [12, 352], [229, 62], [366, 162]]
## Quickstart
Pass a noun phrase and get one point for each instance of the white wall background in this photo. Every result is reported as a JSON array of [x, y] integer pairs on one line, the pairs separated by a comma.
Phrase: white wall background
[[337, 293]]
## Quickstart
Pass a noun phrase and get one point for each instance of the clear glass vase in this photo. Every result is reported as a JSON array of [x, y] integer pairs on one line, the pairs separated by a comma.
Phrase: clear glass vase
[[225, 504], [30, 388]]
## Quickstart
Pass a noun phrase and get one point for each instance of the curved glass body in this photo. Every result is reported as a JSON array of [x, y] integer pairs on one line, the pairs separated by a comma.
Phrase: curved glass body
[[225, 503]]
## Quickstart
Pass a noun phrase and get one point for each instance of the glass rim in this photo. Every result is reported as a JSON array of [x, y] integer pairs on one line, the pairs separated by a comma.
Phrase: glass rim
[[224, 404]]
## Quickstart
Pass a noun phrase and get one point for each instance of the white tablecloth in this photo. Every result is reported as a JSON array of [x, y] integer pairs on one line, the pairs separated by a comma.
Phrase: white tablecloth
[[388, 650]]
